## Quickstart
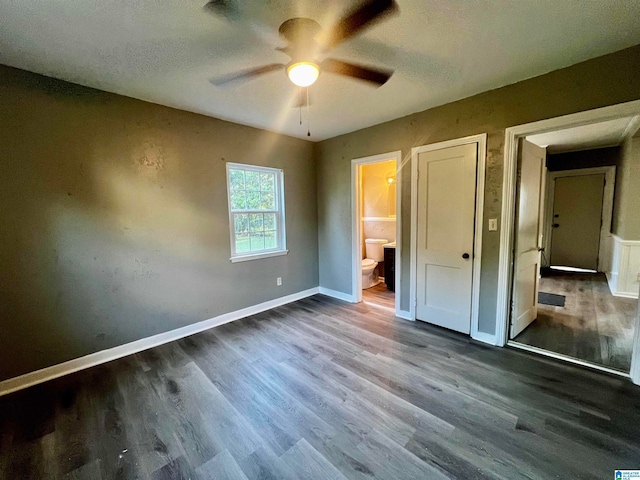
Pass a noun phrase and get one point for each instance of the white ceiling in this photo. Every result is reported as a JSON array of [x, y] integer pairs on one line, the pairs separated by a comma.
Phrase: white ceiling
[[585, 137], [442, 50]]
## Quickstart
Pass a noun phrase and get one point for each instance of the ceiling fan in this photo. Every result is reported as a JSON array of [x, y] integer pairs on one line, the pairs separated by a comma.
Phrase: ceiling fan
[[306, 43]]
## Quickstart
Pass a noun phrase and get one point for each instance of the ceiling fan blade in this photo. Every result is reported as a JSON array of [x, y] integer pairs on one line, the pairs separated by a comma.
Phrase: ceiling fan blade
[[229, 10], [223, 8], [357, 21], [377, 76], [245, 74]]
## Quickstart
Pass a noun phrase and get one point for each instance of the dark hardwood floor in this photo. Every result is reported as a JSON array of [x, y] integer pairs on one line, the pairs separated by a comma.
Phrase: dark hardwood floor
[[593, 325], [379, 295], [321, 389]]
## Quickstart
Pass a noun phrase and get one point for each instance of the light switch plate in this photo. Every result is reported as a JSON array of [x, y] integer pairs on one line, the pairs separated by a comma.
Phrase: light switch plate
[[493, 224]]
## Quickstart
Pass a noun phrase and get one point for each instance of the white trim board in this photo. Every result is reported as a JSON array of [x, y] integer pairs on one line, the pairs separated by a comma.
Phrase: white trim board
[[356, 228], [625, 267], [481, 141], [335, 294], [635, 355], [565, 358], [379, 219], [49, 373]]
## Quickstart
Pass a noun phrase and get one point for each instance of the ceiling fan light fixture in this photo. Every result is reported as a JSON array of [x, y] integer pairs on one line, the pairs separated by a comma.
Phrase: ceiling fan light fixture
[[303, 74]]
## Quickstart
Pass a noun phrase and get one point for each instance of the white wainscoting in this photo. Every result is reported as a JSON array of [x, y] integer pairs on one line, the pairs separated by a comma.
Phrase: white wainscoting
[[624, 268]]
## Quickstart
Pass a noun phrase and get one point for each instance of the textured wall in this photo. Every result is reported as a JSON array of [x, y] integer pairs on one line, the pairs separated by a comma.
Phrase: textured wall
[[114, 222], [596, 83], [378, 229], [626, 208]]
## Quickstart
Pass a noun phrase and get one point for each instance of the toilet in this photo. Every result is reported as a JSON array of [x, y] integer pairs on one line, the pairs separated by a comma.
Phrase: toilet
[[375, 254]]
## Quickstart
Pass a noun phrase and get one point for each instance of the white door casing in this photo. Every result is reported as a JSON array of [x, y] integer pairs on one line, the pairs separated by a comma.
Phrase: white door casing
[[357, 230], [445, 235], [577, 217], [504, 294], [530, 204]]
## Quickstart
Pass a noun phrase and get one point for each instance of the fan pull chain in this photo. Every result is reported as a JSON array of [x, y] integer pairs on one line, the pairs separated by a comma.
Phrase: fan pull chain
[[308, 115], [300, 104]]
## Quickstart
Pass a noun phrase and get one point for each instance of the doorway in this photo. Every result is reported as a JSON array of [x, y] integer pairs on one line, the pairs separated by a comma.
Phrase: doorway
[[377, 227], [563, 305], [447, 195]]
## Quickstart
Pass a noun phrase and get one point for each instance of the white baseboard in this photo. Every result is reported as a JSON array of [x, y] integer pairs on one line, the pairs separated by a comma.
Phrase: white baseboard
[[49, 373], [404, 314], [625, 295], [335, 294], [485, 338]]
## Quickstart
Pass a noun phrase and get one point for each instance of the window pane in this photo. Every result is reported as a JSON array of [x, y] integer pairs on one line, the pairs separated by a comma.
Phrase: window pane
[[241, 221], [238, 201], [268, 201], [255, 222], [269, 221], [253, 200], [257, 241], [242, 243], [236, 180], [254, 189], [267, 182], [252, 180], [270, 240]]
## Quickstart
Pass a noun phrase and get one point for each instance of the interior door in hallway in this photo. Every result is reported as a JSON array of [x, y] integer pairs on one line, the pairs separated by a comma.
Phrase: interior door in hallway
[[531, 173], [445, 225], [577, 212]]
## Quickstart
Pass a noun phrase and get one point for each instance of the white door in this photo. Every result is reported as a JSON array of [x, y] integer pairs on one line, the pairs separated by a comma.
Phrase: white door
[[531, 173], [577, 217], [446, 212]]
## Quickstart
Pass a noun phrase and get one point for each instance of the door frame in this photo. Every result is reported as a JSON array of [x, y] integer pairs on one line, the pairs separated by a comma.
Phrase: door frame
[[607, 207], [509, 180], [356, 224], [481, 141]]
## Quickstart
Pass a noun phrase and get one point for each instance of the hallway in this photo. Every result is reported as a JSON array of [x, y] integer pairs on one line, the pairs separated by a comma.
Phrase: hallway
[[593, 325]]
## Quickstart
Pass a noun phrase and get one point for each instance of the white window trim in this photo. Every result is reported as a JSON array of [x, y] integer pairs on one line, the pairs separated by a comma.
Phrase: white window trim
[[280, 215]]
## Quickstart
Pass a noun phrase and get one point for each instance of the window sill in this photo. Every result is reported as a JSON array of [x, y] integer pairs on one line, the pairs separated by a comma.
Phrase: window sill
[[256, 256]]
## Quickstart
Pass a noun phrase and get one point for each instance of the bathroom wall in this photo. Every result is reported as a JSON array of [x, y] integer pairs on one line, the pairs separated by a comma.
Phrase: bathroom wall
[[379, 200]]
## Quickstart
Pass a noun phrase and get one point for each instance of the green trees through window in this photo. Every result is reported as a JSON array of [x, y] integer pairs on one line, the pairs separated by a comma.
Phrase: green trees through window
[[254, 198]]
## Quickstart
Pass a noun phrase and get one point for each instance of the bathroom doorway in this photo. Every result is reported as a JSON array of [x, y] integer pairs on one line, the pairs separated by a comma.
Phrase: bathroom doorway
[[376, 231]]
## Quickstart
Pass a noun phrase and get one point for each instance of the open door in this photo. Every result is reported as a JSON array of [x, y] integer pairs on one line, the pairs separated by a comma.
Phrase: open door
[[530, 201]]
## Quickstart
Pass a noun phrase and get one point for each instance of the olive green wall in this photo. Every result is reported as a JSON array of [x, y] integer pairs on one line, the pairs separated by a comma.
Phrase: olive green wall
[[626, 208], [114, 223], [596, 83]]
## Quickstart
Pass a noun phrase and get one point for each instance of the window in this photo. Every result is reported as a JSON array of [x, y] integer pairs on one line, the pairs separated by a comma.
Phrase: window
[[256, 211]]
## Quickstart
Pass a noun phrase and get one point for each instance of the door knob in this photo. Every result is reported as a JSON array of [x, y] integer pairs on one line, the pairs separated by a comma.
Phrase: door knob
[[465, 255]]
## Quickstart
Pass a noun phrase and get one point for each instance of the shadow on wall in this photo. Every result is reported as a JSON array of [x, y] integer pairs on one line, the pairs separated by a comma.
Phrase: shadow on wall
[[115, 222]]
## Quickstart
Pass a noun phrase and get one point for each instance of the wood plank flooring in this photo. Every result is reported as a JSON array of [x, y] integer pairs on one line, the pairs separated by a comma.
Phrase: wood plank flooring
[[379, 295], [321, 389], [593, 325]]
